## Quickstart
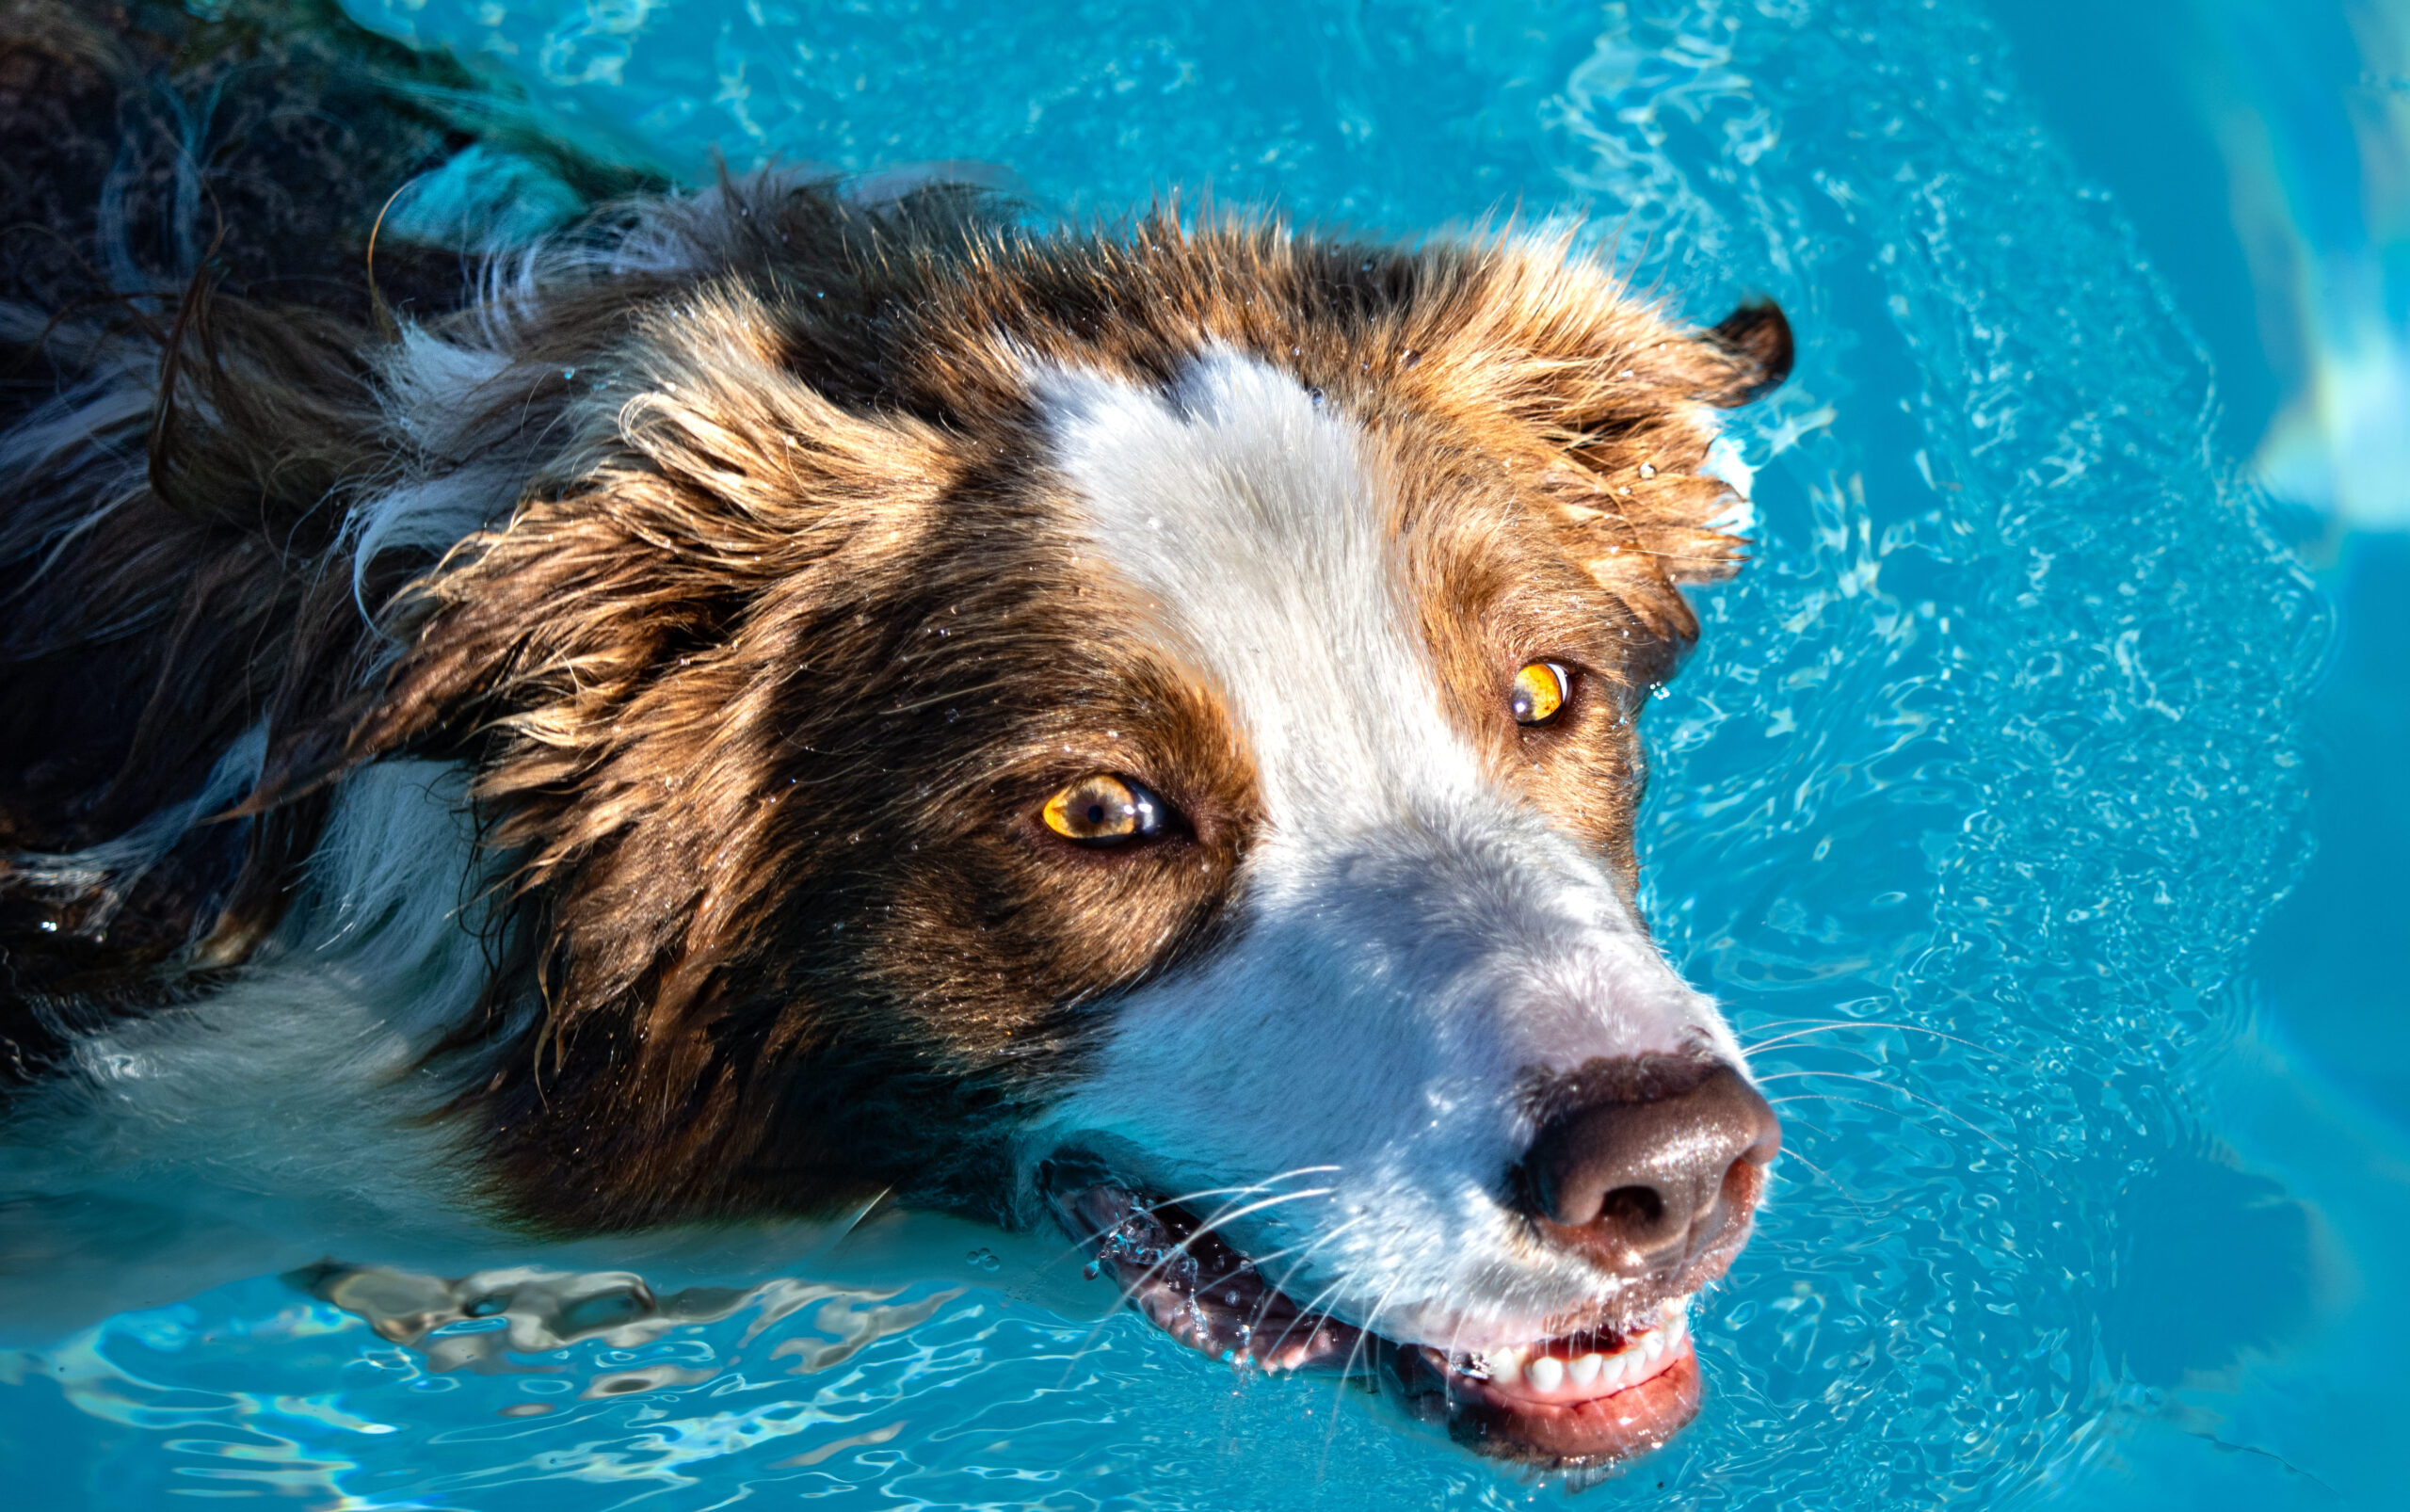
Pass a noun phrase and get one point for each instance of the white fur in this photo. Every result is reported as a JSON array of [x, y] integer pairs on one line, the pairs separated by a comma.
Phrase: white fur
[[291, 1094], [1412, 939], [287, 1100], [74, 420], [434, 390]]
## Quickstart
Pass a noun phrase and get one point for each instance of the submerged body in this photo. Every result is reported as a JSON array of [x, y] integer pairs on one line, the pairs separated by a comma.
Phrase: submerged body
[[773, 699]]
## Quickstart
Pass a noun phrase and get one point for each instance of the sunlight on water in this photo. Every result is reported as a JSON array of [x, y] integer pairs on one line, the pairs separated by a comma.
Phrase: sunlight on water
[[1967, 805], [2321, 202]]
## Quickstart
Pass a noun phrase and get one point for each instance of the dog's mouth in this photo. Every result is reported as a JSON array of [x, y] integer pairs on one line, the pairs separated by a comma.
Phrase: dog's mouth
[[1588, 1398]]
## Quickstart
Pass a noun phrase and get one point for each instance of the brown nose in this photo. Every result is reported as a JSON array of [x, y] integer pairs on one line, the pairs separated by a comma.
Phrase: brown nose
[[1645, 1171]]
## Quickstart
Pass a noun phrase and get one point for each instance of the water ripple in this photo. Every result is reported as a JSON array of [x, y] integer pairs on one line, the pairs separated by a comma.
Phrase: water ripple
[[1989, 756]]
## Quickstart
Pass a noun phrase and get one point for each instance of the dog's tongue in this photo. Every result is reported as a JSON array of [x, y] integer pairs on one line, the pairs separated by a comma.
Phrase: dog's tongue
[[1197, 1288]]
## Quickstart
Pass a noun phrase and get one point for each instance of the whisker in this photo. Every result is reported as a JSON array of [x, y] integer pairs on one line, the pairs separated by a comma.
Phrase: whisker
[[1836, 1097], [1130, 1291], [1347, 1372], [1301, 1251], [1179, 1251], [1264, 1185], [1835, 1050], [860, 1215], [1861, 1102], [1074, 1247], [1311, 1309], [1889, 1086], [1846, 1195], [1820, 1025], [1227, 1217], [1307, 1312]]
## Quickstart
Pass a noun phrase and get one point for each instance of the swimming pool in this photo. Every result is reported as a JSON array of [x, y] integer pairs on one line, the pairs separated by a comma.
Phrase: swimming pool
[[1988, 777]]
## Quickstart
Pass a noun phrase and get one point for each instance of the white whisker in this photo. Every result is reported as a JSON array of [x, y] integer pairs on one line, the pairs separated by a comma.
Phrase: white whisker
[[1887, 1087], [1822, 1025]]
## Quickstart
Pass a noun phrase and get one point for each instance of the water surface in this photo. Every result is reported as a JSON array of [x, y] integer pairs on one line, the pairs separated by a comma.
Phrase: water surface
[[1987, 775]]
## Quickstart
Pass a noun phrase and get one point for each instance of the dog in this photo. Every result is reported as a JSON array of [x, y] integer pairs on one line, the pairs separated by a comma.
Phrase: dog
[[776, 696]]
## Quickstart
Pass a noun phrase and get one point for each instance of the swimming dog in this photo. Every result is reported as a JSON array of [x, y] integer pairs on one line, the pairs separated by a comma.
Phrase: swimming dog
[[777, 694]]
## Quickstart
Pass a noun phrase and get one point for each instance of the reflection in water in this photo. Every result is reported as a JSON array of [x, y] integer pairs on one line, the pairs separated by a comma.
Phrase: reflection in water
[[553, 1343], [535, 1312]]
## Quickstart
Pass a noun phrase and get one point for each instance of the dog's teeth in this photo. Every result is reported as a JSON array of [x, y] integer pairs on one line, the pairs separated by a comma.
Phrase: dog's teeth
[[1505, 1363], [1612, 1369], [1546, 1374], [1652, 1348], [1583, 1371]]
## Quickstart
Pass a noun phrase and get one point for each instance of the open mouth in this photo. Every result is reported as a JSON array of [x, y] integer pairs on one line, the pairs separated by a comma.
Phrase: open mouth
[[1587, 1398]]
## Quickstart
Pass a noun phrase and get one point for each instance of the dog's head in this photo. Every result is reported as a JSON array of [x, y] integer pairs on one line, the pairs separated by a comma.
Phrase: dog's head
[[1143, 732]]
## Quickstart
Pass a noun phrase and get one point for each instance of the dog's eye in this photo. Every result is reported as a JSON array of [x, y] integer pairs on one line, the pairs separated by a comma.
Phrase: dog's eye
[[1540, 691], [1105, 809]]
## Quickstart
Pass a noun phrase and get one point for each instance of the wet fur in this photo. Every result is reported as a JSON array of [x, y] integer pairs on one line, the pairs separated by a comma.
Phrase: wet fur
[[715, 552]]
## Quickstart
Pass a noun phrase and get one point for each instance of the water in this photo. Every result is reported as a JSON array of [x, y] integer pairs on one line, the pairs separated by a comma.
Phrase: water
[[1980, 807]]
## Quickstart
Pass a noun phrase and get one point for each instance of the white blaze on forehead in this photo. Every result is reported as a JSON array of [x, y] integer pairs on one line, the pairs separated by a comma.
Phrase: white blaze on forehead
[[1241, 510], [1412, 939]]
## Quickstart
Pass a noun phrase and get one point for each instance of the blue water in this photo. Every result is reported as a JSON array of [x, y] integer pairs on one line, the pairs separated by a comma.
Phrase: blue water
[[2033, 800]]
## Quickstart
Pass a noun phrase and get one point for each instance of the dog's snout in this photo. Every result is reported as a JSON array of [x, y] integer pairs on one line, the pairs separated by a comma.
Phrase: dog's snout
[[1649, 1174]]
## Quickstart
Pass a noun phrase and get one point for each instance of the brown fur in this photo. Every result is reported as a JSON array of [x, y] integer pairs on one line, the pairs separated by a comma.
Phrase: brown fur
[[765, 677]]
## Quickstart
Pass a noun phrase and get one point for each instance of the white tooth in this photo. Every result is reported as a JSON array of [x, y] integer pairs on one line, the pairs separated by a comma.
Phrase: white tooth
[[1612, 1369], [1653, 1346], [1505, 1363], [1546, 1374], [1585, 1370]]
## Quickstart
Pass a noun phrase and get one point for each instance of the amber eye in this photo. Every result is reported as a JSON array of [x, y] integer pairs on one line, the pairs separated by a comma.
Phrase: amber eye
[[1540, 691], [1105, 809]]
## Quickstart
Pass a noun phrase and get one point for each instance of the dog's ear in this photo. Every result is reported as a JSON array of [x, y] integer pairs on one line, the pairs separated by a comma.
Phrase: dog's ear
[[1757, 338], [1622, 401]]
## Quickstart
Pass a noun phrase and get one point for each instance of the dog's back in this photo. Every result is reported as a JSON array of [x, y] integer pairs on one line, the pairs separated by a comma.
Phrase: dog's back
[[194, 202]]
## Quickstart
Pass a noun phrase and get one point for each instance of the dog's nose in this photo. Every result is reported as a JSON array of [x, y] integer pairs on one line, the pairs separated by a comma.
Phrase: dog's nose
[[1652, 1168]]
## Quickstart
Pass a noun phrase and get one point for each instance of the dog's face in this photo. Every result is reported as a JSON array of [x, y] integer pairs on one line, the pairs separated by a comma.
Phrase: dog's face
[[1163, 758]]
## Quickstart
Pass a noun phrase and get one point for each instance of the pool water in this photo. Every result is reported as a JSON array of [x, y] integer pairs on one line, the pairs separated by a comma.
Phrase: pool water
[[2028, 803]]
